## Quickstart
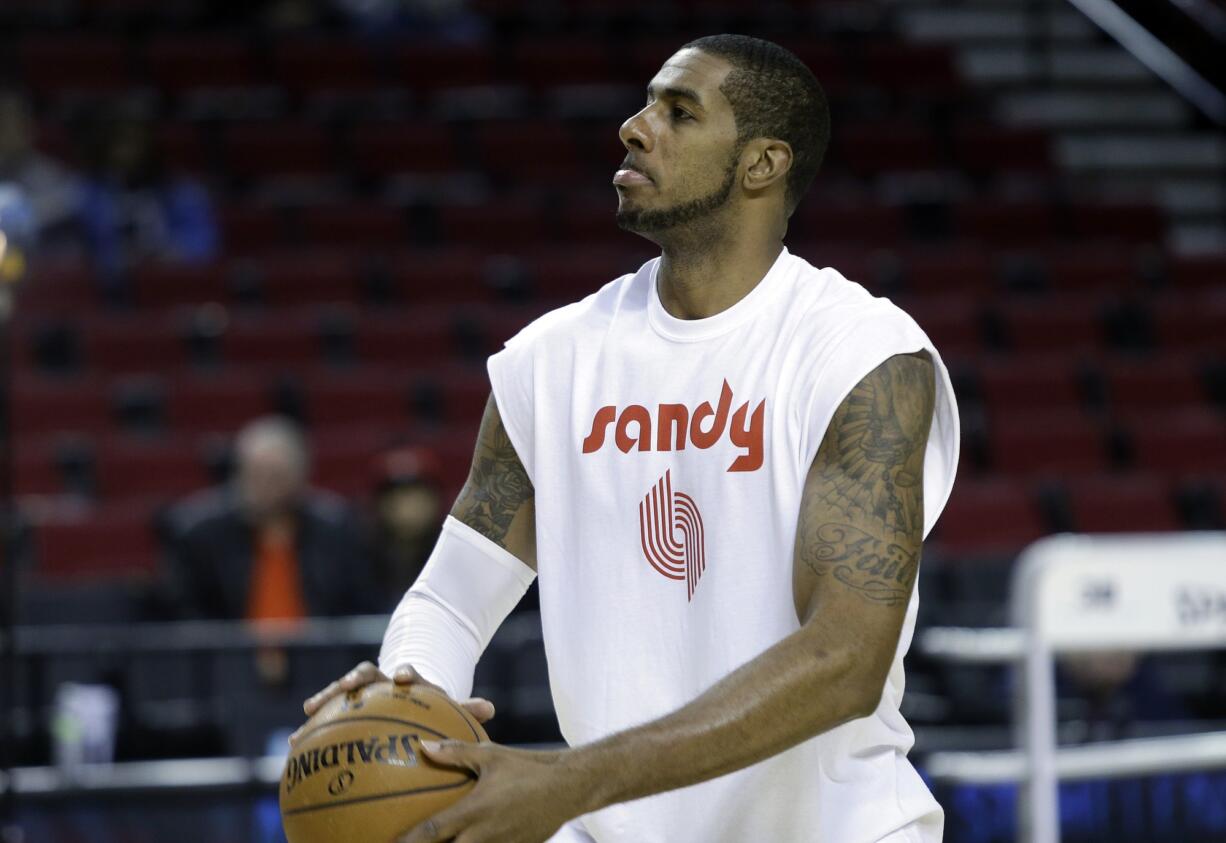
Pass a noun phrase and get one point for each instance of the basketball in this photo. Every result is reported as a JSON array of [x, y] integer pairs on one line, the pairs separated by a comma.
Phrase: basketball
[[358, 773]]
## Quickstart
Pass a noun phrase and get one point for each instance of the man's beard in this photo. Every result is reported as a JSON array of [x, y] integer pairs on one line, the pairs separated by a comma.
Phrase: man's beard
[[665, 219]]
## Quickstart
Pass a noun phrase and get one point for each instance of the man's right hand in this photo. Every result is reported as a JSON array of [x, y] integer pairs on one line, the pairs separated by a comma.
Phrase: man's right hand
[[366, 673]]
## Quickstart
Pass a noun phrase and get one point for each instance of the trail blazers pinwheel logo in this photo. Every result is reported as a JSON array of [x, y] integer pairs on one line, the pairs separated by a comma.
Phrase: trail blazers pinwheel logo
[[672, 534]]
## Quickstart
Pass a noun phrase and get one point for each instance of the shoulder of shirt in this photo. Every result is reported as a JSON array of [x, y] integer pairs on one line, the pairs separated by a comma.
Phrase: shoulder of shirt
[[826, 299], [589, 313]]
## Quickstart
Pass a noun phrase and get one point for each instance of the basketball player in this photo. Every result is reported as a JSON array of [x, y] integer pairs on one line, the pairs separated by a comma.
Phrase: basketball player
[[721, 468]]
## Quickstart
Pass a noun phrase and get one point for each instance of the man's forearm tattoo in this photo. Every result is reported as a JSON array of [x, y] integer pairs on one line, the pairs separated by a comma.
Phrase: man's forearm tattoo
[[881, 571]]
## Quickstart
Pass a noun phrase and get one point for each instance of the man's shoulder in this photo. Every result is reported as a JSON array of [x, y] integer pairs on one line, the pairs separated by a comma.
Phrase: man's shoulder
[[205, 510]]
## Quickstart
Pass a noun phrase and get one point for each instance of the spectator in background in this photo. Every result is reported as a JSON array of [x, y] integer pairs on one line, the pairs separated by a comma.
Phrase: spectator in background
[[51, 188], [267, 547], [409, 511], [132, 208]]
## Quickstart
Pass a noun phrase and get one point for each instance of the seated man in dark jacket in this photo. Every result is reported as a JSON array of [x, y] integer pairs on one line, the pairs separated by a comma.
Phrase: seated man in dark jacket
[[267, 546]]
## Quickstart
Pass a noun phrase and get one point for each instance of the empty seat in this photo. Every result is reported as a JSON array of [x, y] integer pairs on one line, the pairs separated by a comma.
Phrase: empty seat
[[545, 61], [366, 397], [1191, 322], [425, 67], [308, 276], [141, 469], [50, 406], [63, 286], [1121, 504], [1029, 384], [954, 323], [1124, 222], [441, 276], [1091, 268], [876, 224], [217, 404], [248, 228], [1162, 383], [914, 68], [171, 283], [382, 150], [1189, 442], [875, 149], [568, 276], [133, 344], [53, 63], [988, 516], [272, 342], [966, 269], [1193, 272], [103, 542], [529, 152], [354, 224], [1048, 443], [1053, 323], [180, 62], [513, 225], [278, 149], [311, 65], [1008, 223], [405, 341], [987, 150]]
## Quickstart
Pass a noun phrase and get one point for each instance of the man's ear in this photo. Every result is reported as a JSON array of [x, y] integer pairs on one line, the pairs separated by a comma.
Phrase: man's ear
[[769, 159]]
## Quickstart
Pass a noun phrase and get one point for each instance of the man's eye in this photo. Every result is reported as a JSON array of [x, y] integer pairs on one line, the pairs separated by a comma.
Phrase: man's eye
[[681, 114]]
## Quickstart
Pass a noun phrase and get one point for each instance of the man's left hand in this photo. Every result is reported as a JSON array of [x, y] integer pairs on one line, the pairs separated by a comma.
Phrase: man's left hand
[[522, 796]]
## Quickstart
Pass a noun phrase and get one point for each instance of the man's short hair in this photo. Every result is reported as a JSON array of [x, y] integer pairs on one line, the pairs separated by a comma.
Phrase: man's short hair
[[280, 430], [774, 95]]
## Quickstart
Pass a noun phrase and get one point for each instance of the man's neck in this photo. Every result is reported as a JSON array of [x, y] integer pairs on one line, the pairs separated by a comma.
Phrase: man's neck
[[698, 282]]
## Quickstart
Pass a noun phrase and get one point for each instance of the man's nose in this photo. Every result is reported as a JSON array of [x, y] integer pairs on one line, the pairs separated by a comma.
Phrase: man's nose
[[636, 134]]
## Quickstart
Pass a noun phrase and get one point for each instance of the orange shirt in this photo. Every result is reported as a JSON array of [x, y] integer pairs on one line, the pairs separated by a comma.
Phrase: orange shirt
[[275, 592]]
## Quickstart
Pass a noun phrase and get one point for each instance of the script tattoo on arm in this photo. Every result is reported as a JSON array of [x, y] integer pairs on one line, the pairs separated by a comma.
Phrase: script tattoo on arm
[[862, 516], [498, 488]]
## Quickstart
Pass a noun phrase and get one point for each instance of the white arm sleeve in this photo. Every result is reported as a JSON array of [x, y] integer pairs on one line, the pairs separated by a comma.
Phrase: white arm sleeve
[[445, 621]]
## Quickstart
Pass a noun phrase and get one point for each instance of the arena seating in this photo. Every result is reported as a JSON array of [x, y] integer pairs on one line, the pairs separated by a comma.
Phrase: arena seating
[[392, 209]]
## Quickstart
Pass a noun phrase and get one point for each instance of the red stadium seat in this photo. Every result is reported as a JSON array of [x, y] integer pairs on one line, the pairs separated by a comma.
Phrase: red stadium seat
[[217, 404], [158, 284], [1168, 383], [1029, 384], [567, 276], [542, 62], [148, 469], [272, 342], [402, 341], [181, 149], [35, 472], [250, 228], [42, 406], [59, 287], [1008, 223], [104, 541], [528, 153], [115, 344], [514, 225], [1053, 323], [948, 269], [368, 397], [278, 149], [953, 323], [308, 276], [1055, 443], [912, 68], [1189, 442], [354, 225], [988, 516], [445, 276], [1092, 268], [382, 150], [426, 67], [987, 150], [880, 225], [1121, 504], [1127, 223], [305, 66], [72, 62], [1207, 272], [1191, 322], [180, 62], [876, 149]]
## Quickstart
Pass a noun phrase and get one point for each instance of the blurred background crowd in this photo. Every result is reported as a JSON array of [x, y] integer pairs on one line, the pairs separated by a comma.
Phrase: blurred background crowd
[[270, 244]]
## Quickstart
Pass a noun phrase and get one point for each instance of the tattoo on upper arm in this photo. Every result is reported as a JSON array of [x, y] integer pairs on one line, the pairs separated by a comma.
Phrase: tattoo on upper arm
[[497, 486], [866, 485]]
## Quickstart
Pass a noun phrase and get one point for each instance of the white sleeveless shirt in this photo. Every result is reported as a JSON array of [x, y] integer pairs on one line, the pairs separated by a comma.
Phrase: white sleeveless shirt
[[668, 458]]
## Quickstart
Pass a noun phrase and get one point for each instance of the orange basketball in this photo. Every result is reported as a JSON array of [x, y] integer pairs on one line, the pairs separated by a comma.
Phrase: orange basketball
[[358, 774]]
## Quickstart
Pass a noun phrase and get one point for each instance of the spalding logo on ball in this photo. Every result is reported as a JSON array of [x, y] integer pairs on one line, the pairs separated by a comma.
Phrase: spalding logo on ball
[[358, 774]]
